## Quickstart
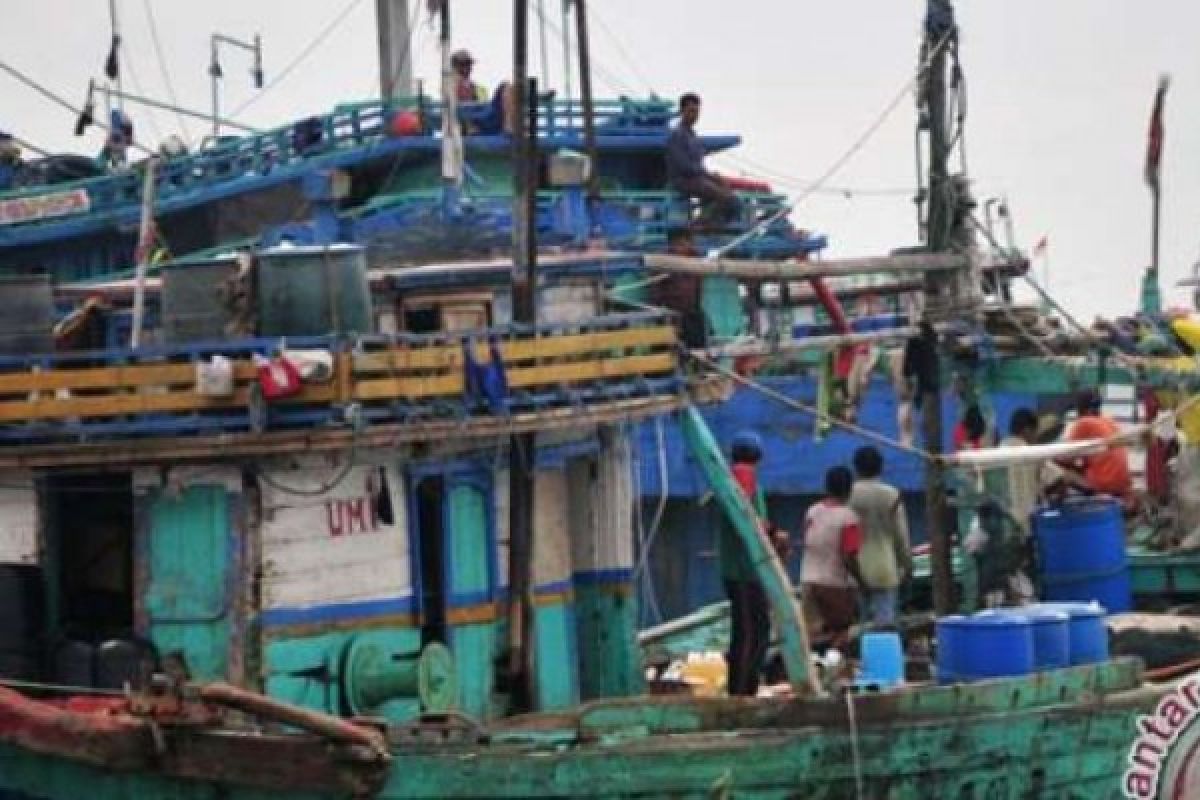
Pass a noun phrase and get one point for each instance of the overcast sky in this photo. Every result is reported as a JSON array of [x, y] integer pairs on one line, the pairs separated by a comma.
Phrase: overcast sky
[[1059, 99]]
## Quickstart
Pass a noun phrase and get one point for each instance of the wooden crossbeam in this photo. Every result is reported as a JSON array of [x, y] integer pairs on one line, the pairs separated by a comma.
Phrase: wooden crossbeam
[[113, 455], [798, 270]]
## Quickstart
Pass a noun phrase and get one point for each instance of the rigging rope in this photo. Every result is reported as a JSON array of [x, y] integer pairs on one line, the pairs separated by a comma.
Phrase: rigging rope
[[152, 23], [308, 49], [54, 98], [751, 168], [853, 150], [598, 69], [1129, 361], [624, 53], [137, 87]]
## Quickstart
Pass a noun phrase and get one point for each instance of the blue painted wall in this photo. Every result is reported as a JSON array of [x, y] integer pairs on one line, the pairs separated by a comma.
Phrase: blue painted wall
[[681, 570]]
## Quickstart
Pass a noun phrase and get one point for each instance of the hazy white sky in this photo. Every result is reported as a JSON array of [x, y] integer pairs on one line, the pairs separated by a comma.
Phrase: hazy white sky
[[1059, 99]]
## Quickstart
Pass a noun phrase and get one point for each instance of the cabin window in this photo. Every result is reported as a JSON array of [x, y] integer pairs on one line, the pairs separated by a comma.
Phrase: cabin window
[[89, 540], [446, 312]]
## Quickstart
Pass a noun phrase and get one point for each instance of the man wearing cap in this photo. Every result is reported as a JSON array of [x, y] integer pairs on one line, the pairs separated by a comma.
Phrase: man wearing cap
[[465, 89], [1106, 472]]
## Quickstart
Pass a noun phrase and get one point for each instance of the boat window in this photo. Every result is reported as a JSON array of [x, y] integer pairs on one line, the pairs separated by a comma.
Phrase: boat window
[[446, 312]]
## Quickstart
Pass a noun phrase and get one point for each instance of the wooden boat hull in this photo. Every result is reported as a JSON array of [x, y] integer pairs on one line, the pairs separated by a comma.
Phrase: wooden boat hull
[[1058, 734]]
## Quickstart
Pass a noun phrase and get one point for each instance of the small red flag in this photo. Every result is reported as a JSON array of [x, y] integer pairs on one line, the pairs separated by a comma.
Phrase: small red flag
[[1154, 141]]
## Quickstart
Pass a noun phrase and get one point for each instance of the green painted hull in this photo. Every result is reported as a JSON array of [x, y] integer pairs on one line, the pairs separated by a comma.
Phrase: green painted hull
[[1059, 734], [1159, 580]]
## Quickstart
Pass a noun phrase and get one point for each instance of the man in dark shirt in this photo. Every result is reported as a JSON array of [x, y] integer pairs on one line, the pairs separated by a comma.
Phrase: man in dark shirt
[[685, 164], [682, 292]]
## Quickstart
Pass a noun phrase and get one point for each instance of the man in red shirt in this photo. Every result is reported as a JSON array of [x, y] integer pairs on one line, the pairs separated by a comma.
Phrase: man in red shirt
[[1106, 472], [830, 574]]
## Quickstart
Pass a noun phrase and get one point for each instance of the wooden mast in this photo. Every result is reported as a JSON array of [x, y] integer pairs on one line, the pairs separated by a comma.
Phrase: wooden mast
[[585, 96], [395, 55], [522, 447], [939, 26]]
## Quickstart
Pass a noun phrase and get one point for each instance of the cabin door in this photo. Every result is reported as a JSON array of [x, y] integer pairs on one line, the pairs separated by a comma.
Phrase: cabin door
[[187, 600], [470, 579]]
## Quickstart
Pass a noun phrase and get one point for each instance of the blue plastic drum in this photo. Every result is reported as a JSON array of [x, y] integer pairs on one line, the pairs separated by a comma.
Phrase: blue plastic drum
[[1088, 634], [990, 644], [1081, 553], [1051, 636]]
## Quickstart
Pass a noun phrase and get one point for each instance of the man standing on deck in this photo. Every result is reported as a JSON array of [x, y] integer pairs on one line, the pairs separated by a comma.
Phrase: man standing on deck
[[885, 559], [1106, 472], [750, 618], [829, 573], [686, 173]]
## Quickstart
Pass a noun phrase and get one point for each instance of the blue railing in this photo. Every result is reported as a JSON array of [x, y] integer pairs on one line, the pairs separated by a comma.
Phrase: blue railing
[[346, 127]]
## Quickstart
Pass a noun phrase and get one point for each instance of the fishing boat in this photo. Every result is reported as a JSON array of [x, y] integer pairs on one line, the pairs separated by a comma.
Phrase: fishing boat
[[346, 541]]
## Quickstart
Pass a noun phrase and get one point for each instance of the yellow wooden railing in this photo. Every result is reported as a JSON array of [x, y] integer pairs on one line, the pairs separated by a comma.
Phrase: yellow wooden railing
[[381, 373]]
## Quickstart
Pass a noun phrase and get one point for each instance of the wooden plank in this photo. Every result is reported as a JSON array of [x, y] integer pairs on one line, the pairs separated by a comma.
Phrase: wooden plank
[[591, 370], [400, 359], [209, 448], [519, 377], [111, 377], [404, 388], [121, 404]]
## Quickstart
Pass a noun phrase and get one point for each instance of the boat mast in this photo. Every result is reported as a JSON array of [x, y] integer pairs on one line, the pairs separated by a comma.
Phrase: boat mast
[[939, 28], [585, 95], [452, 142], [395, 55], [113, 67], [522, 447]]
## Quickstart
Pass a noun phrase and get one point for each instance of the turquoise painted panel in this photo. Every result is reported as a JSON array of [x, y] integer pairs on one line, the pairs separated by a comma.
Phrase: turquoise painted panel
[[188, 597], [722, 304], [307, 671], [471, 645], [467, 548], [469, 582], [556, 684], [610, 662]]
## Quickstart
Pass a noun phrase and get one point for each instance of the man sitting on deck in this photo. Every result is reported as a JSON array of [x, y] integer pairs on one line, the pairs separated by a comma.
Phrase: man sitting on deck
[[686, 173], [1106, 472]]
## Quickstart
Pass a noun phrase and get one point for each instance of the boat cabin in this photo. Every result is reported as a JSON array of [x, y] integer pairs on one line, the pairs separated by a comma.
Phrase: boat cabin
[[326, 518]]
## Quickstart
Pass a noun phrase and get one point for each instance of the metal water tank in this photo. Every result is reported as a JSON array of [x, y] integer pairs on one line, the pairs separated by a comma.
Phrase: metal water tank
[[194, 304], [313, 291]]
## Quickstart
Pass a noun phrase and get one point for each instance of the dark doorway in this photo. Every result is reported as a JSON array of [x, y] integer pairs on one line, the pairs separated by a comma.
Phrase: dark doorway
[[431, 498], [89, 540]]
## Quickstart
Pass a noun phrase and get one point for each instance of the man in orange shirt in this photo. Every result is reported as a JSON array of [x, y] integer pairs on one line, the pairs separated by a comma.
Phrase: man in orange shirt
[[1106, 472]]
